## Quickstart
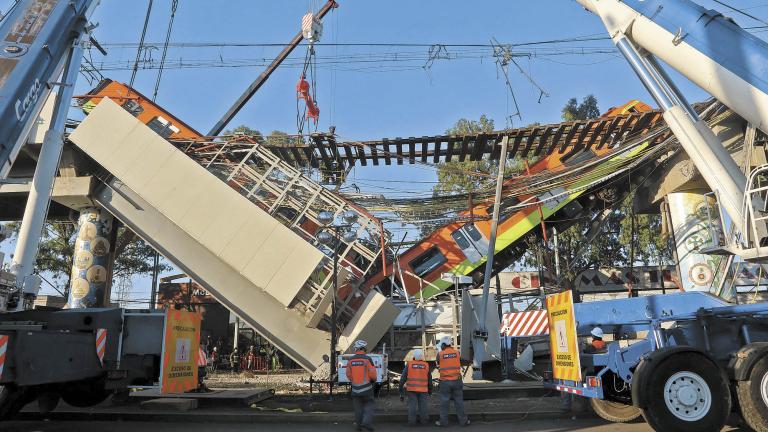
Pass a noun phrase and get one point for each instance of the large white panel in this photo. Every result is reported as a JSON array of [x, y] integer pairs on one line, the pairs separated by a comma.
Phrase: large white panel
[[141, 172], [185, 197], [226, 224], [100, 143], [127, 150], [282, 327], [161, 185], [283, 285], [372, 320], [273, 253], [241, 250]]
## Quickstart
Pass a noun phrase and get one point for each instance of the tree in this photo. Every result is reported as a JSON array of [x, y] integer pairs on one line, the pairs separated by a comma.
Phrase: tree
[[57, 247], [587, 109], [456, 177], [243, 130]]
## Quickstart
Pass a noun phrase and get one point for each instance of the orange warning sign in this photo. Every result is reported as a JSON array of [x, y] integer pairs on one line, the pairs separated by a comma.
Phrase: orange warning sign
[[563, 339], [178, 372]]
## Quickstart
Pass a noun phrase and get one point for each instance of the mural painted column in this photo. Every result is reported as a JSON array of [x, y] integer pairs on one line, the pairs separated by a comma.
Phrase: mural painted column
[[691, 225], [91, 259]]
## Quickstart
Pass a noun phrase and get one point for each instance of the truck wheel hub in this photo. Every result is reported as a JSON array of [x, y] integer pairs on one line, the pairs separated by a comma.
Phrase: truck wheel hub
[[687, 396], [764, 388]]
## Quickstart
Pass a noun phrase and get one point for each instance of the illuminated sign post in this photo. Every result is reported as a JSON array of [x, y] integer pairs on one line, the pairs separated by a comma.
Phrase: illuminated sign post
[[178, 372], [563, 339]]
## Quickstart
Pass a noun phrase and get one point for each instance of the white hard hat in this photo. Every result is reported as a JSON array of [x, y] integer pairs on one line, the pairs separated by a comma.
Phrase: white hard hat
[[418, 354], [360, 344], [597, 332], [446, 340]]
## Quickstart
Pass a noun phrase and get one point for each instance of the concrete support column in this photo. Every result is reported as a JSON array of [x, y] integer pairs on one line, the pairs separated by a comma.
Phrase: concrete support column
[[90, 267], [693, 230]]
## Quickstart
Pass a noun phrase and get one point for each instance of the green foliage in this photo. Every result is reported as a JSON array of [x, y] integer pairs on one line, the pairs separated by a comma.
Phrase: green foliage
[[611, 247], [242, 130], [57, 247], [587, 109], [456, 177], [134, 256]]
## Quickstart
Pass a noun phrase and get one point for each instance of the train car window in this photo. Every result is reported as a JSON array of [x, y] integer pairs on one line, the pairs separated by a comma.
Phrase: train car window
[[579, 157], [162, 127], [133, 107], [473, 232], [460, 239], [428, 261]]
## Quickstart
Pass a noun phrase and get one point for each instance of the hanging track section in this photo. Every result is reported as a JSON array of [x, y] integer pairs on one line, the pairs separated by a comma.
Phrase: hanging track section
[[323, 151]]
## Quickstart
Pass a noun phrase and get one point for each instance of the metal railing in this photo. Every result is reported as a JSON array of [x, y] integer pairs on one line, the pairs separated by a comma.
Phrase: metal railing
[[295, 200]]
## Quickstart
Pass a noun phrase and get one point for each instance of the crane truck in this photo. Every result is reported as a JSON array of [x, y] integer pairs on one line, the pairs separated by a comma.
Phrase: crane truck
[[78, 355], [686, 361]]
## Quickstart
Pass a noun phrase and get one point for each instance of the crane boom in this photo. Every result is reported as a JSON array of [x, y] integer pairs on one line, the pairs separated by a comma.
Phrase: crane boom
[[264, 76], [36, 38], [702, 44], [719, 56]]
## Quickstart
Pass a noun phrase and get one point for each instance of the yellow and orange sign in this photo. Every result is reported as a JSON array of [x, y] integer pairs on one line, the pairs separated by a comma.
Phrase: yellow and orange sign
[[178, 373], [563, 339]]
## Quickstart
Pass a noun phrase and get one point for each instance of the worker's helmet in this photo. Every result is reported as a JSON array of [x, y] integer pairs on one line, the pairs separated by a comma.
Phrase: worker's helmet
[[360, 344], [446, 341], [418, 354], [215, 348], [597, 332]]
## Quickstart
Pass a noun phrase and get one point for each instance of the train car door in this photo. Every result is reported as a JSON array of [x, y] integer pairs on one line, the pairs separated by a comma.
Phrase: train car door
[[477, 238], [471, 242]]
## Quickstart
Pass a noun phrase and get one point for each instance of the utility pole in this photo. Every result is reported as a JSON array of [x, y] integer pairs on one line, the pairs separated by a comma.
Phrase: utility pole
[[492, 240]]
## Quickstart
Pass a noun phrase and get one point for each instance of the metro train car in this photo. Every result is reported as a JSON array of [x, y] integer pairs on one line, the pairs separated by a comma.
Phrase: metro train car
[[142, 107], [461, 247]]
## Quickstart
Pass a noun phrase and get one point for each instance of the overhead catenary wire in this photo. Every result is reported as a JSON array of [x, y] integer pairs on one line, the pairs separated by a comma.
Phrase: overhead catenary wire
[[140, 48], [174, 7], [741, 11]]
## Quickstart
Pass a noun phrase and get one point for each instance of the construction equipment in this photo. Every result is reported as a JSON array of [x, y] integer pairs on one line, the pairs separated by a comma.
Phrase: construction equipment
[[678, 359]]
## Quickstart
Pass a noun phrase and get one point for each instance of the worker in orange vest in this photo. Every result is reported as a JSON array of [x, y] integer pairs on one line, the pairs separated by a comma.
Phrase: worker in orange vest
[[417, 381], [451, 385], [597, 345], [362, 376]]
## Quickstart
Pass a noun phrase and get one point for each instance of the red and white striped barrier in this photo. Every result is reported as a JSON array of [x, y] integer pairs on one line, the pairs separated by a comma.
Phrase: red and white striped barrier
[[529, 323], [3, 349], [569, 390], [101, 344]]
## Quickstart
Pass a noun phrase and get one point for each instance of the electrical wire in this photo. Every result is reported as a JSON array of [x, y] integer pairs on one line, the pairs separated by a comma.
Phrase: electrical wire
[[741, 12], [174, 6], [141, 43]]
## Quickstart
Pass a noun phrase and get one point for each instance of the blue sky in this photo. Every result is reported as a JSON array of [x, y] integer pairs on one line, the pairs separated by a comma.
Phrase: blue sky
[[369, 100]]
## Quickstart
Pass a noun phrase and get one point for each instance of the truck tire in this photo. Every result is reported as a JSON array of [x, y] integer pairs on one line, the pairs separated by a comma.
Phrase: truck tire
[[752, 396], [615, 412], [686, 392], [47, 402], [84, 399], [12, 400]]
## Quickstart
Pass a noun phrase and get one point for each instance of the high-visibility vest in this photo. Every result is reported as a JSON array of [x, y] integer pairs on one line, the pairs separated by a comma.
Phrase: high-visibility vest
[[449, 363], [598, 345], [361, 373], [418, 377]]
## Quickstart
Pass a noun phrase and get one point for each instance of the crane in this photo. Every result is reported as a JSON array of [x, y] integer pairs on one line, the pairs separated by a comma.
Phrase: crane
[[719, 56], [681, 361]]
